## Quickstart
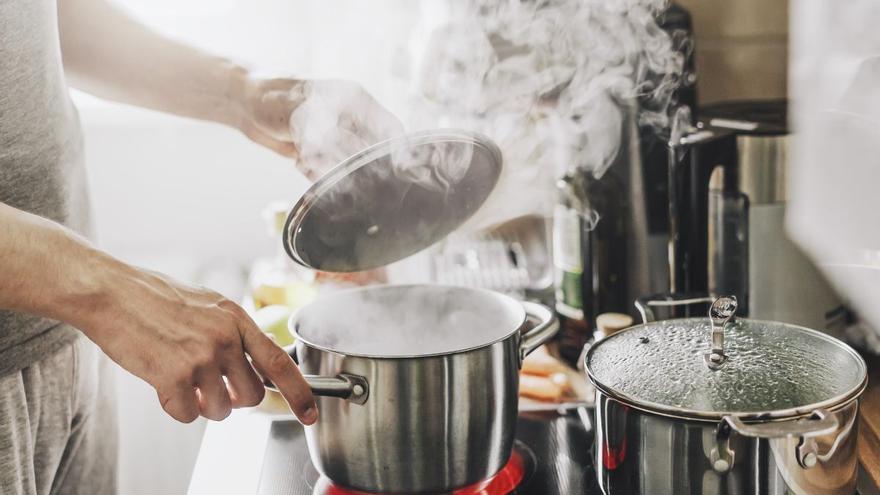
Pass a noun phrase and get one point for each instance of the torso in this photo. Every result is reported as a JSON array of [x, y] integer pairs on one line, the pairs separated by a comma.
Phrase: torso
[[41, 159]]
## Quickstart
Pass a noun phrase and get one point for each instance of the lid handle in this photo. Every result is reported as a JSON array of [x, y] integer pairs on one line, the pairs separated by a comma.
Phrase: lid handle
[[721, 312]]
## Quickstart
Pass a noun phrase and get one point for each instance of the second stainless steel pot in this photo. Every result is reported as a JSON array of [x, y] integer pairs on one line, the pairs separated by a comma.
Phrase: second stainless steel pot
[[710, 406], [428, 377]]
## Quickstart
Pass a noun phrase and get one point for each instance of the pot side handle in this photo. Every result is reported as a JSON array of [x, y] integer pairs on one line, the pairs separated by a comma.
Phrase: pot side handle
[[644, 305], [542, 332], [352, 388], [820, 423]]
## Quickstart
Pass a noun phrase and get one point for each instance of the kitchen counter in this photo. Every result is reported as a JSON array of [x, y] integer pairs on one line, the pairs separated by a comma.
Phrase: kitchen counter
[[242, 436]]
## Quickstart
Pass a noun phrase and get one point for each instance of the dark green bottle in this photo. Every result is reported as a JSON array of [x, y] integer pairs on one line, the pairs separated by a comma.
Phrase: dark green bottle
[[573, 218]]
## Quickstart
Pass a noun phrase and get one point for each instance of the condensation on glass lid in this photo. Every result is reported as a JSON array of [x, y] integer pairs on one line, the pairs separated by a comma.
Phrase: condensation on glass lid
[[392, 200], [770, 367]]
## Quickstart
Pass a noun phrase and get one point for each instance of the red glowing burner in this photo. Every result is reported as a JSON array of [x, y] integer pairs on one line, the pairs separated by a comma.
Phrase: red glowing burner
[[502, 483]]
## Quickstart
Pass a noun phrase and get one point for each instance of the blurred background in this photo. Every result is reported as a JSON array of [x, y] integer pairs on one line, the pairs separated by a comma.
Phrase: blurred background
[[185, 197]]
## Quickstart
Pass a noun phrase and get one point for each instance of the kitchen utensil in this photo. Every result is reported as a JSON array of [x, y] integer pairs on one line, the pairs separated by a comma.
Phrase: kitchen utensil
[[774, 414], [483, 261], [513, 258], [392, 200], [428, 375]]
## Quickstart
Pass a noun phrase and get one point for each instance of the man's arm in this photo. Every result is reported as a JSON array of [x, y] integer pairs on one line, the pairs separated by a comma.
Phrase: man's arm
[[111, 55], [181, 340]]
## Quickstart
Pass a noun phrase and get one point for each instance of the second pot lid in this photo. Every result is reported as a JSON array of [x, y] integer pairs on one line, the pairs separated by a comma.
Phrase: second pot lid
[[392, 200], [770, 369]]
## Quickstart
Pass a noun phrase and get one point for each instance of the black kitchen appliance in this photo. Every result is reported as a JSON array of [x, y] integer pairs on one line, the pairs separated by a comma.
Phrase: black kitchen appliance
[[611, 232], [727, 197], [553, 453]]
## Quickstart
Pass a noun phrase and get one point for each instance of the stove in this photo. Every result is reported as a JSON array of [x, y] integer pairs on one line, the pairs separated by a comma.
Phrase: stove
[[551, 456]]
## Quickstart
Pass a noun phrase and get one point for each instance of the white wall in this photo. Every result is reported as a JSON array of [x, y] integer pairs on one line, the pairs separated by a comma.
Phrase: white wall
[[834, 210]]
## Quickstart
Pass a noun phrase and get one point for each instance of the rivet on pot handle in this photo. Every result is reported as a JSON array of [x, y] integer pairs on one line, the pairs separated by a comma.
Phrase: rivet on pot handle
[[820, 423], [542, 332], [352, 388]]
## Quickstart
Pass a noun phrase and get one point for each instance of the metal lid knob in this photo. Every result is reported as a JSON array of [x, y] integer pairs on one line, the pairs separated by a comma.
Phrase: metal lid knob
[[721, 312]]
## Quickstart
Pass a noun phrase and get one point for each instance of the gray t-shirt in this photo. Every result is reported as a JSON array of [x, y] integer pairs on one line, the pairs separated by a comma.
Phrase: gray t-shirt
[[41, 154]]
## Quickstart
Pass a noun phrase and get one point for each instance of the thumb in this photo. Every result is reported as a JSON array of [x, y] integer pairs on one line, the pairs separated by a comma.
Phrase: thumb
[[284, 148]]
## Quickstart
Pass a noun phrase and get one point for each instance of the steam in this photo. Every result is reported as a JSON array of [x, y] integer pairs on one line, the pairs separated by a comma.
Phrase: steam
[[417, 320], [552, 82], [438, 167], [336, 120]]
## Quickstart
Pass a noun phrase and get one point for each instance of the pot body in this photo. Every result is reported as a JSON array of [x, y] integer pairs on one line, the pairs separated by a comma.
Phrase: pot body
[[430, 424], [642, 453]]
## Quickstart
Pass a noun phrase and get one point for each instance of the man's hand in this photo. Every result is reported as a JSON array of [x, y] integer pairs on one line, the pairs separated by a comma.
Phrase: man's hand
[[319, 123], [111, 55], [190, 344]]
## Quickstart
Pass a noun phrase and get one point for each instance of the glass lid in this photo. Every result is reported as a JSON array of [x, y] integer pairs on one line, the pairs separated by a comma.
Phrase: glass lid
[[392, 200], [680, 367]]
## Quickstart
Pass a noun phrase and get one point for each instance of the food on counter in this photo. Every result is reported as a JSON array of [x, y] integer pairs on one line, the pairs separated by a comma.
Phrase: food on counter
[[607, 324], [292, 294], [541, 363], [273, 321], [377, 276], [269, 295], [545, 378], [278, 280], [553, 388]]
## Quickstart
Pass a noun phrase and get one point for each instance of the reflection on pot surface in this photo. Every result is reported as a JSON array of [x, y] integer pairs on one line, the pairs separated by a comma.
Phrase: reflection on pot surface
[[643, 453]]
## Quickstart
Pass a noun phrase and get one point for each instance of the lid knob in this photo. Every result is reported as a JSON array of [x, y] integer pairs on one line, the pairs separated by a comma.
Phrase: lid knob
[[722, 311]]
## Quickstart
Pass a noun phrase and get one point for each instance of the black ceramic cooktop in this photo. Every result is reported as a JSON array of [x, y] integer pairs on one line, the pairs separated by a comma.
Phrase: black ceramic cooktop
[[557, 449]]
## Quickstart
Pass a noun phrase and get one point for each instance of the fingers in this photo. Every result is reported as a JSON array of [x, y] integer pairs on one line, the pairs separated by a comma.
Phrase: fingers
[[273, 363], [214, 401], [179, 401], [245, 387], [283, 148]]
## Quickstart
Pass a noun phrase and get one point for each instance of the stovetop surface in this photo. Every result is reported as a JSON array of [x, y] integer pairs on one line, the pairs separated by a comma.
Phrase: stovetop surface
[[559, 447]]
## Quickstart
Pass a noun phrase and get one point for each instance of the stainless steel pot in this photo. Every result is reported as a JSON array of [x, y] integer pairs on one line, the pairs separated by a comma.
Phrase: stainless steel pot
[[428, 376], [716, 406]]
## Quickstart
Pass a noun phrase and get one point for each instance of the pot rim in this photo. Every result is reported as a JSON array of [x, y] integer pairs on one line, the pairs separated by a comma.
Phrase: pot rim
[[778, 414], [504, 299]]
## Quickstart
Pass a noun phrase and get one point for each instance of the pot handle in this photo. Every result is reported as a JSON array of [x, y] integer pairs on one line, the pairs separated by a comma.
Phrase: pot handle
[[542, 332], [353, 388], [820, 423], [645, 304]]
